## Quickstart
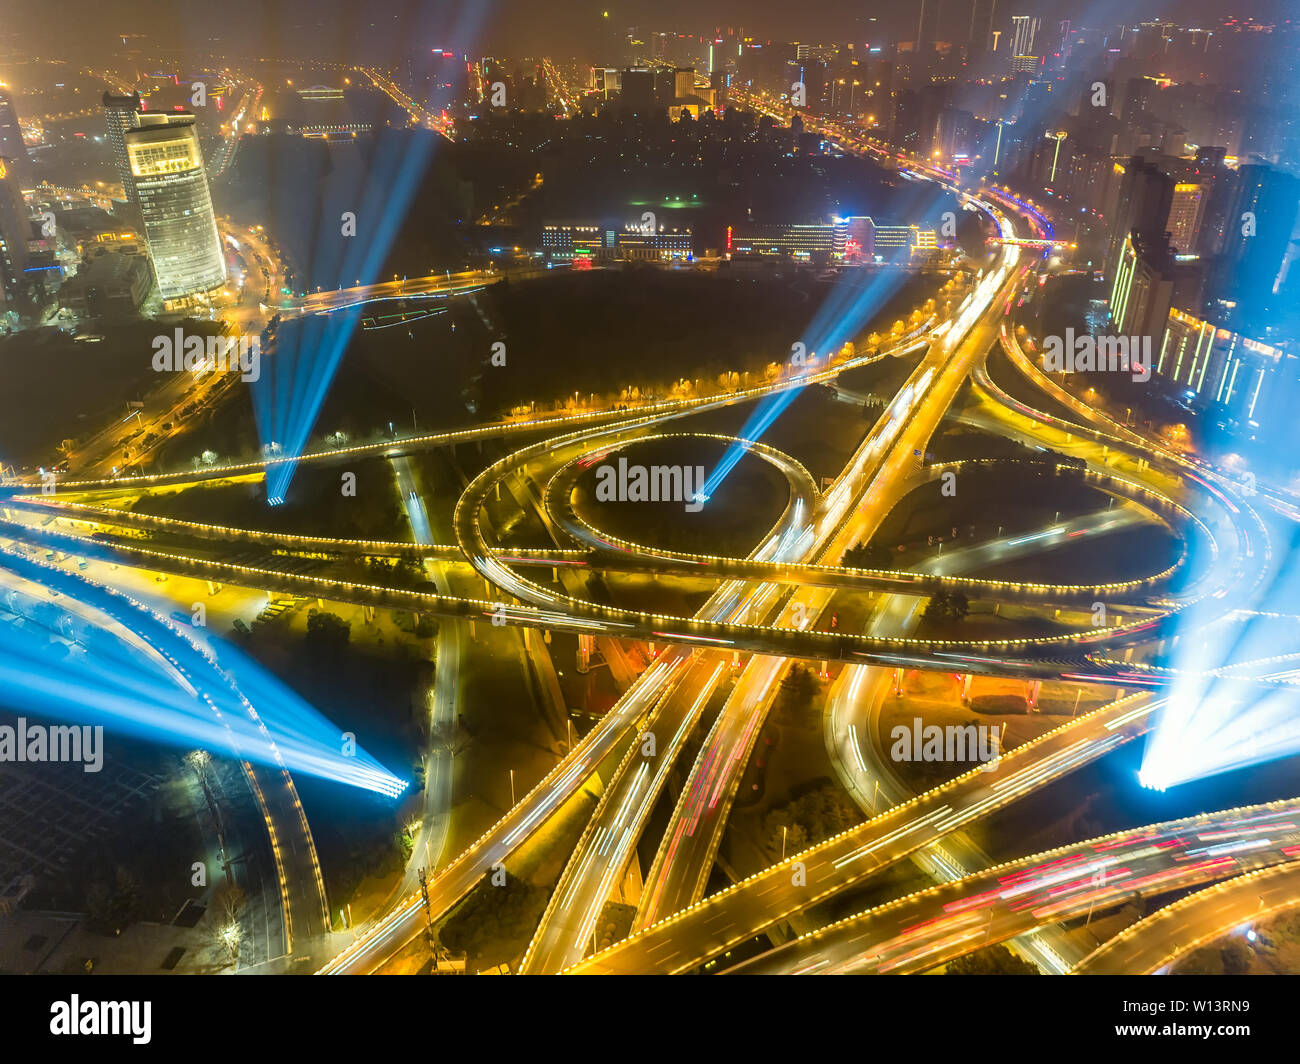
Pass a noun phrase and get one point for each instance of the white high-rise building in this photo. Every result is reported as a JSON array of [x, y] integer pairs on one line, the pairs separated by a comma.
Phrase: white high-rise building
[[1023, 31], [171, 187]]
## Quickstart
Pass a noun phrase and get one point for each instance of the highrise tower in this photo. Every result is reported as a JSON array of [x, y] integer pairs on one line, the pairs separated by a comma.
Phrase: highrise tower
[[172, 190], [122, 113]]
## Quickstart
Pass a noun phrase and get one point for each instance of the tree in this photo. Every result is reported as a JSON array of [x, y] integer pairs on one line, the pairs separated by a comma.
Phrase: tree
[[409, 568], [800, 686], [127, 890], [229, 901], [991, 960], [111, 908], [228, 904], [615, 923], [327, 632], [810, 818], [936, 610], [945, 606], [867, 556], [99, 904], [1236, 958], [958, 606], [493, 924]]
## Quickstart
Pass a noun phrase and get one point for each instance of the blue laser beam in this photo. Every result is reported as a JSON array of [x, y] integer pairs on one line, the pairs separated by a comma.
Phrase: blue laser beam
[[142, 674]]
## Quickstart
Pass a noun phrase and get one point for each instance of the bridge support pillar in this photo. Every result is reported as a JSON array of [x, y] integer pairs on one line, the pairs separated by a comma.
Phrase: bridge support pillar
[[898, 682], [1032, 689], [965, 689]]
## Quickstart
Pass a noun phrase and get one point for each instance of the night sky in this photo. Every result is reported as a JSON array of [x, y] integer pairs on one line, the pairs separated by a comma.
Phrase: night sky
[[334, 29]]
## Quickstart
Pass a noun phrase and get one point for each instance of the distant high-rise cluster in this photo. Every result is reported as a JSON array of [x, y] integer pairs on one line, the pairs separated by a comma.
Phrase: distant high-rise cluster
[[927, 30], [981, 25]]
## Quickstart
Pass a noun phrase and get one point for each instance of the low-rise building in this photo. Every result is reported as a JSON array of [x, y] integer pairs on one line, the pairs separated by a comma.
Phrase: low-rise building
[[854, 239], [112, 283], [591, 241], [658, 245]]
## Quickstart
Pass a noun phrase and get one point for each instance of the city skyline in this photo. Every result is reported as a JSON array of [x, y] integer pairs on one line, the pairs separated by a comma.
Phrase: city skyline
[[335, 33]]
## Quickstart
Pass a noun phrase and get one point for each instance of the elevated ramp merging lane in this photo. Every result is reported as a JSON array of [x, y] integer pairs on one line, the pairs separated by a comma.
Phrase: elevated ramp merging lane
[[934, 926], [724, 920]]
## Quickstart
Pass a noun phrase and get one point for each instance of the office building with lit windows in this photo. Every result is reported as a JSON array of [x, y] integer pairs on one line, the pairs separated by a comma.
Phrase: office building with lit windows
[[176, 205], [663, 245], [11, 134], [14, 230], [1186, 212], [1218, 366], [564, 241], [1212, 365], [854, 239], [1024, 28], [1144, 286], [589, 241], [121, 114], [801, 242]]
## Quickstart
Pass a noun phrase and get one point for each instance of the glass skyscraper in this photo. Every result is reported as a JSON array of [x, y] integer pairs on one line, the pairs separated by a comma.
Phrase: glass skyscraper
[[171, 187], [122, 113], [11, 135], [14, 230]]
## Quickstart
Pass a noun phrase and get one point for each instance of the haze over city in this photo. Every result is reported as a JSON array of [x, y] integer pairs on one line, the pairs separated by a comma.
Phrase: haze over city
[[660, 489]]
